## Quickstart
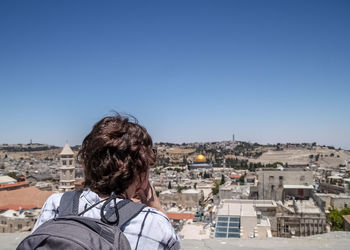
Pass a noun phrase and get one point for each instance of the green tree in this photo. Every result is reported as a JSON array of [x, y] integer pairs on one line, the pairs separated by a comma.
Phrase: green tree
[[222, 179], [274, 165], [215, 189], [241, 179], [317, 156], [336, 218], [180, 188]]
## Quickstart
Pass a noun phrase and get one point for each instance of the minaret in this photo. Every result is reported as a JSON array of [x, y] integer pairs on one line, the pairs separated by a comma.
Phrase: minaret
[[67, 169], [233, 141]]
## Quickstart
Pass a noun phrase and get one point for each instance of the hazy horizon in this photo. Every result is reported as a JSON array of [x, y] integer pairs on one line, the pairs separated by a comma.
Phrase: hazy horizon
[[267, 71], [177, 143]]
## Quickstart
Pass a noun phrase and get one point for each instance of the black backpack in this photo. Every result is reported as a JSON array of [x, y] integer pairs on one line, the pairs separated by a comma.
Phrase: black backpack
[[69, 230]]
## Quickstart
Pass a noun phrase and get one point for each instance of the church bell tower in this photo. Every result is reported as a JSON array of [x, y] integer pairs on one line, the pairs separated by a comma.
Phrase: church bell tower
[[67, 169]]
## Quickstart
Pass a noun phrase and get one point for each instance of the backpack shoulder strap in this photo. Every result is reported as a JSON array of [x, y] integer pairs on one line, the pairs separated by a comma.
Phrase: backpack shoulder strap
[[69, 203], [128, 210]]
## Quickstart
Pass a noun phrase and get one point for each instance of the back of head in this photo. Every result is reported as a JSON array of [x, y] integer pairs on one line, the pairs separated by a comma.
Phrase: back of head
[[115, 153]]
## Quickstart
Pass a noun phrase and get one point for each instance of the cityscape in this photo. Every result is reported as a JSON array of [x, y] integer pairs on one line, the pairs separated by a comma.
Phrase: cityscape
[[225, 122], [215, 190]]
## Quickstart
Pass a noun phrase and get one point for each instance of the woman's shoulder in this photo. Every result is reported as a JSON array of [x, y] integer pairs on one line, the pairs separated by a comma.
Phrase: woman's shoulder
[[53, 201], [152, 224], [54, 198]]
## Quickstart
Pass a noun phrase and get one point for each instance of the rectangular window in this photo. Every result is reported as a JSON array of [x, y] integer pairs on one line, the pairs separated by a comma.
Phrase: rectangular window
[[234, 219], [222, 224], [221, 235], [19, 226], [70, 162], [234, 224], [234, 230], [233, 235], [222, 219], [221, 229], [64, 163]]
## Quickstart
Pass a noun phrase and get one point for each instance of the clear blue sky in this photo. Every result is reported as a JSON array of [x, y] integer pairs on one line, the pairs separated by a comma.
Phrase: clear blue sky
[[268, 71]]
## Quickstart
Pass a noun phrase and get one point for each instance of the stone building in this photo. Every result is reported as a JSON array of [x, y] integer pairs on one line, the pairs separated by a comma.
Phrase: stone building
[[328, 202], [234, 192], [278, 184], [169, 198], [14, 221], [188, 199], [67, 169], [300, 218], [332, 184], [191, 198]]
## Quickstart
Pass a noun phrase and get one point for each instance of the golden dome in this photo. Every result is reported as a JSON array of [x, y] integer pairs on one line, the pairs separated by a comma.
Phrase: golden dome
[[200, 158]]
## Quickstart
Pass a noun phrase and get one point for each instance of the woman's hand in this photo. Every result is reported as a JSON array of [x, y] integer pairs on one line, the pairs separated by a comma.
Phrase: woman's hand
[[149, 197]]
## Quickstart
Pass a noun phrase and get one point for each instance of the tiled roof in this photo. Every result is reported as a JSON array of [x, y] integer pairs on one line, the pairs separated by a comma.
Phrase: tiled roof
[[24, 197], [17, 207], [347, 218], [12, 185], [180, 216]]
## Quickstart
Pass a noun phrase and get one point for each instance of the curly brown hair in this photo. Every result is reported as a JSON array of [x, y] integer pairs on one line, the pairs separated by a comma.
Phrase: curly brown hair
[[115, 153]]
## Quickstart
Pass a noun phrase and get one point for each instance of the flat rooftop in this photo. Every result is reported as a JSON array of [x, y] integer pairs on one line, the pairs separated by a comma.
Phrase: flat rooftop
[[236, 208], [304, 206], [332, 240], [229, 209]]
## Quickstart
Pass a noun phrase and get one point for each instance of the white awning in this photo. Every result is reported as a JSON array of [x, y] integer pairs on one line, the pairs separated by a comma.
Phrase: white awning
[[298, 187]]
